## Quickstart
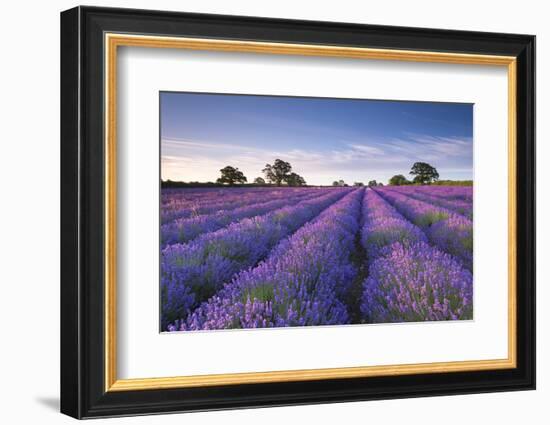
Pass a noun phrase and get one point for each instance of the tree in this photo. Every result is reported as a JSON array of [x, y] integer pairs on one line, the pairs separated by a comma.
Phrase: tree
[[294, 179], [358, 184], [277, 172], [335, 183], [424, 173], [259, 180], [231, 175], [380, 184], [398, 180], [372, 183], [418, 180]]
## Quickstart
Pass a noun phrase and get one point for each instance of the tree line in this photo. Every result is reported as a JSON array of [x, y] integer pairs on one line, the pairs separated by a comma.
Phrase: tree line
[[423, 173], [342, 183], [278, 173]]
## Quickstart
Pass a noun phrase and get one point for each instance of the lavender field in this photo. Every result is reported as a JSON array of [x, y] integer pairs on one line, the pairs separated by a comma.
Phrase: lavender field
[[256, 257]]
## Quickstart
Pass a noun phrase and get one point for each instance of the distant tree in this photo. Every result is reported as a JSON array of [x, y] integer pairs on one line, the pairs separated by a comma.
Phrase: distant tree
[[340, 183], [259, 180], [277, 172], [372, 183], [358, 184], [424, 173], [231, 175], [398, 180], [294, 179], [380, 184], [454, 182]]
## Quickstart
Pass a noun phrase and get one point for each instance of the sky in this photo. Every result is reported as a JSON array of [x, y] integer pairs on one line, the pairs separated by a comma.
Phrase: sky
[[324, 139]]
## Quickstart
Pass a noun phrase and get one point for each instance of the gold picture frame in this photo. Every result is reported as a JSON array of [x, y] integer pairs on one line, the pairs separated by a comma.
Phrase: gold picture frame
[[114, 41], [91, 40]]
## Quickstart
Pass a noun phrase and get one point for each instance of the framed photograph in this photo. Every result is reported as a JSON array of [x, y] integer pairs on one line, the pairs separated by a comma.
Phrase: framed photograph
[[261, 212]]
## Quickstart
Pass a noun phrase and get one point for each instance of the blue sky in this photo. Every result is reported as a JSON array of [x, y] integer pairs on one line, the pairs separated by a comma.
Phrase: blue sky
[[323, 139]]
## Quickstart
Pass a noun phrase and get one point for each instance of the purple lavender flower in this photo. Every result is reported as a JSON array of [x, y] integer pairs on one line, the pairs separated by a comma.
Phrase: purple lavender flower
[[256, 258], [383, 226], [303, 281], [416, 283], [445, 229], [455, 236], [193, 272], [187, 203], [432, 195], [183, 230]]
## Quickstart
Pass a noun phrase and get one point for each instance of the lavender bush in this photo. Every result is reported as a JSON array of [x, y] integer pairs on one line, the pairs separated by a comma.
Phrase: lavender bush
[[416, 283], [183, 230], [193, 272], [273, 257], [408, 279], [445, 229], [425, 193], [178, 203], [301, 283], [383, 226]]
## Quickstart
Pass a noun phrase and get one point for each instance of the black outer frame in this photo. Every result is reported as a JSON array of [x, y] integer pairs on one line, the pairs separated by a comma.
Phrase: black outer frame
[[82, 207]]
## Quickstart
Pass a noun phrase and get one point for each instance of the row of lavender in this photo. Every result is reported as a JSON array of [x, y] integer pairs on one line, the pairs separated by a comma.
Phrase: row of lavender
[[464, 193], [449, 231], [454, 198], [178, 203], [193, 272], [219, 280], [303, 282], [183, 230], [409, 279]]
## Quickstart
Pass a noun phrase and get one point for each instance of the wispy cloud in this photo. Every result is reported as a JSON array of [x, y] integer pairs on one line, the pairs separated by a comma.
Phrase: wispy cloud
[[184, 143], [369, 150], [201, 161], [323, 139]]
